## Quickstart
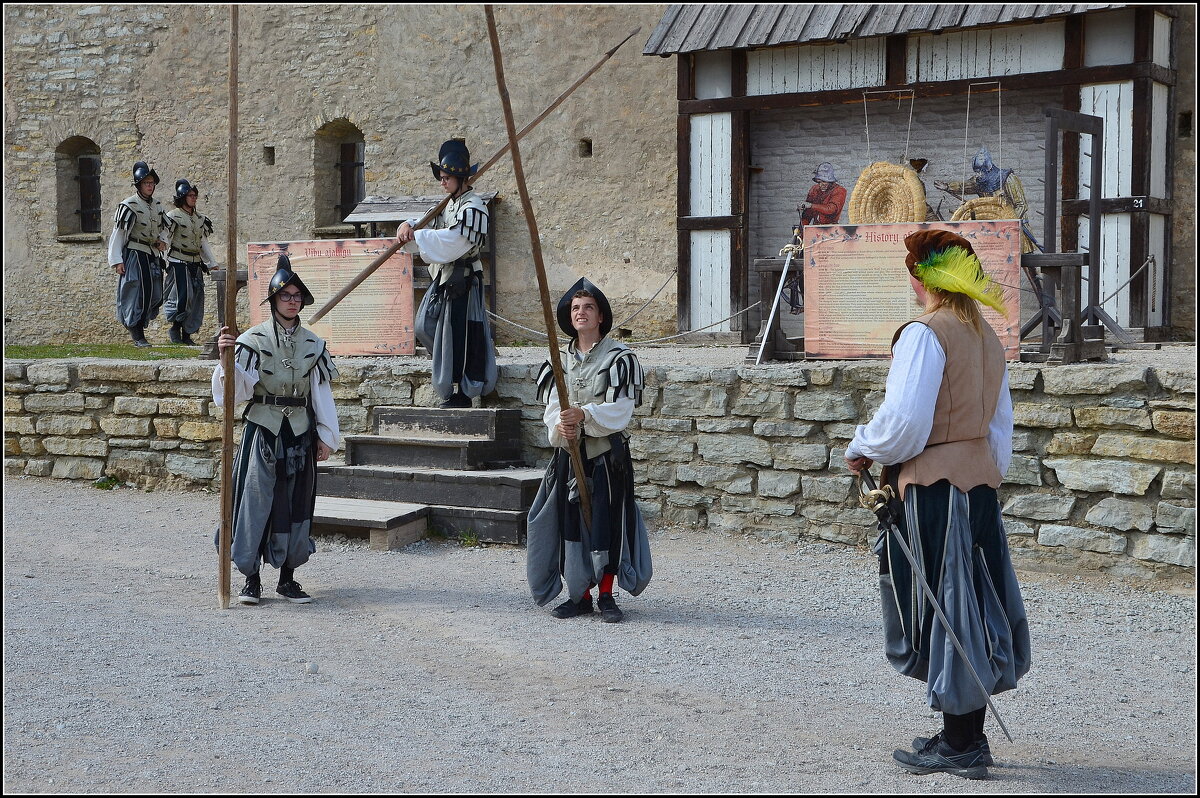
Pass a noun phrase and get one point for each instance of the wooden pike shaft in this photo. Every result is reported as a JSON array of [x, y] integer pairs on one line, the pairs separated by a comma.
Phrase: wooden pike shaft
[[433, 214], [226, 535], [560, 383]]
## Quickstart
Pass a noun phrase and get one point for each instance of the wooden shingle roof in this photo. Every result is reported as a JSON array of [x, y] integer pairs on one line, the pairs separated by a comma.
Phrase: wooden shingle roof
[[693, 28]]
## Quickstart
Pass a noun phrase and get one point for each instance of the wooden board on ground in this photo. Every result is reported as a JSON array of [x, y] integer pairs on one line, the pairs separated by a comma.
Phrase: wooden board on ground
[[392, 525]]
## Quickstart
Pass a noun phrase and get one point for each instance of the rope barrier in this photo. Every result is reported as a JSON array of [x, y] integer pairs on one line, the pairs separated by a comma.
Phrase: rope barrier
[[648, 301], [498, 317]]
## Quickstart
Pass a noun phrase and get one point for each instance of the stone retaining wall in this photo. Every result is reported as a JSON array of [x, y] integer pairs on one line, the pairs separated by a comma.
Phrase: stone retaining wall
[[1103, 472]]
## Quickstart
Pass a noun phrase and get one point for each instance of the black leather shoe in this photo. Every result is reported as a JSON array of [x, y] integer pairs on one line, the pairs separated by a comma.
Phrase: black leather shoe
[[941, 758], [921, 744], [571, 609], [175, 333], [188, 340], [609, 611], [292, 592], [457, 401]]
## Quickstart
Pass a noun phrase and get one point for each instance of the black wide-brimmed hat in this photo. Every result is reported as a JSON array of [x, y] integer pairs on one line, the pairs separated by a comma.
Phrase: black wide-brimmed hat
[[564, 307], [454, 159], [285, 276]]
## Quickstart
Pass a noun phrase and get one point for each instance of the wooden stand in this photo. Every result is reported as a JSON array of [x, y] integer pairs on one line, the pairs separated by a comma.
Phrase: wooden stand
[[209, 352], [779, 346]]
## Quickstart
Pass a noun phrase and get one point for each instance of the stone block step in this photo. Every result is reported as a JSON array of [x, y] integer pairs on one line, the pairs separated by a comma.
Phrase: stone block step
[[391, 525], [489, 526], [491, 423], [502, 489], [463, 451]]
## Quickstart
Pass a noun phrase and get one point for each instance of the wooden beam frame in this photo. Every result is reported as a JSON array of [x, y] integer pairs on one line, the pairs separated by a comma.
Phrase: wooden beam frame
[[686, 88], [1033, 80]]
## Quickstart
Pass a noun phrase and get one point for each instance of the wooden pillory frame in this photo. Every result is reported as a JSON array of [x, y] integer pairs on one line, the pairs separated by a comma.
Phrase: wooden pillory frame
[[1069, 335]]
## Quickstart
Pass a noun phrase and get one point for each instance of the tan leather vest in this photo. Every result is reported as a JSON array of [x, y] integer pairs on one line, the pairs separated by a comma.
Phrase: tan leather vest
[[957, 449], [475, 224]]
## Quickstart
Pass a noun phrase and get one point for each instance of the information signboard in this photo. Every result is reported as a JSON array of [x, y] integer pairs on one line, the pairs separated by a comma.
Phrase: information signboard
[[374, 319], [857, 293]]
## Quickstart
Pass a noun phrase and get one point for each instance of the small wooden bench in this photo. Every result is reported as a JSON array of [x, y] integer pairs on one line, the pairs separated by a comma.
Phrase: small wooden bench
[[392, 525]]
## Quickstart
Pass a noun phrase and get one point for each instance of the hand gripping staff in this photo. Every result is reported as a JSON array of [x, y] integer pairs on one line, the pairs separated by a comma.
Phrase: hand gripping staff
[[433, 214], [560, 383], [878, 501]]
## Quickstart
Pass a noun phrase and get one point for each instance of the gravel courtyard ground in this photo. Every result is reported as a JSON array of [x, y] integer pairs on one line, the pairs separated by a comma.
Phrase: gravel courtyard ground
[[745, 667]]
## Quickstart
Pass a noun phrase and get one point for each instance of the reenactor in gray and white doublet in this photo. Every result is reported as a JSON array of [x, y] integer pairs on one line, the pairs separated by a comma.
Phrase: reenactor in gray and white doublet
[[133, 252], [284, 370], [451, 321], [188, 260], [604, 381]]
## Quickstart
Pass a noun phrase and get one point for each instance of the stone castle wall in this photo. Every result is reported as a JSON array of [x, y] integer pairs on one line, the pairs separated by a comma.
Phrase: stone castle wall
[[150, 82], [1103, 472]]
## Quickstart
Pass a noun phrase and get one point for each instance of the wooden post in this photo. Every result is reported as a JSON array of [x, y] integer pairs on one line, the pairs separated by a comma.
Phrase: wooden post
[[226, 535], [560, 383], [433, 214]]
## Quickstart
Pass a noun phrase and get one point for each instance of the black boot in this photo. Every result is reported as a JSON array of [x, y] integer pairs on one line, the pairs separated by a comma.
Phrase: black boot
[[176, 333], [138, 334]]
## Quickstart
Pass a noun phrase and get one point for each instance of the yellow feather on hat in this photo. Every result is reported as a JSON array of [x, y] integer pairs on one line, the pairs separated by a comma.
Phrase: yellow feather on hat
[[955, 270]]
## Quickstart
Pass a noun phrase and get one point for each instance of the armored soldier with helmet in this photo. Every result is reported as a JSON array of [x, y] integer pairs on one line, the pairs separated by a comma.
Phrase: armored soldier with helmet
[[134, 252], [186, 231], [284, 370], [452, 320]]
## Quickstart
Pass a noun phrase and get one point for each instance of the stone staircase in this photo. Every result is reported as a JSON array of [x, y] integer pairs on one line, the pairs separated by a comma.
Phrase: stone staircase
[[457, 471]]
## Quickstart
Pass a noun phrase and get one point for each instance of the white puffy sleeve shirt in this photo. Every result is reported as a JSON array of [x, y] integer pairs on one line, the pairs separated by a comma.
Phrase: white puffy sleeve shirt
[[328, 429], [900, 429], [438, 247]]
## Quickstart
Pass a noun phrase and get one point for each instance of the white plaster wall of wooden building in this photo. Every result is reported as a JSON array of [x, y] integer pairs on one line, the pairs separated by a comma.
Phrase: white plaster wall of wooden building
[[786, 109], [149, 82]]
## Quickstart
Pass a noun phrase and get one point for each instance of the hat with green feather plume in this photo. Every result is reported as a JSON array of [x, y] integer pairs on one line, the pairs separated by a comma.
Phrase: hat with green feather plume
[[946, 262]]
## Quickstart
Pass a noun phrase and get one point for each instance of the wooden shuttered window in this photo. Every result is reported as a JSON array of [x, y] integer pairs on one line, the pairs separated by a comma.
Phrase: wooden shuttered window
[[89, 193]]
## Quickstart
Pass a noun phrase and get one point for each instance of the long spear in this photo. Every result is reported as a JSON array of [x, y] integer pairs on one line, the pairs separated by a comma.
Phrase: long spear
[[560, 383], [433, 214], [226, 535]]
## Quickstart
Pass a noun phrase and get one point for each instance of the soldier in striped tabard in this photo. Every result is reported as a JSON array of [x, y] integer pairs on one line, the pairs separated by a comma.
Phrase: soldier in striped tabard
[[284, 370], [604, 381], [133, 252], [188, 260], [451, 321]]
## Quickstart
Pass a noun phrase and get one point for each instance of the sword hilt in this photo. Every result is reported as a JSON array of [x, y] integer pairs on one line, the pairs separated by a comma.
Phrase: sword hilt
[[870, 496]]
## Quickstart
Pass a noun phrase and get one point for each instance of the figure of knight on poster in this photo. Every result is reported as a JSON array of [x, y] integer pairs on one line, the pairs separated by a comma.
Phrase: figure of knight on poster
[[991, 180], [822, 205]]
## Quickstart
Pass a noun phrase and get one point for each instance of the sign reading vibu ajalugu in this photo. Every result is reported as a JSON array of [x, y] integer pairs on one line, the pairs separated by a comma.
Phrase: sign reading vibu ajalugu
[[857, 294], [376, 318]]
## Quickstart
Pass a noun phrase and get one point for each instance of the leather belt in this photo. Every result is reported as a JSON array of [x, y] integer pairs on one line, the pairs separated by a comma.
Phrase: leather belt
[[288, 401]]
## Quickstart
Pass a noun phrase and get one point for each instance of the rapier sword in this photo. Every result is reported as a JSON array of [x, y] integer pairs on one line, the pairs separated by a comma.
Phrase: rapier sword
[[877, 501]]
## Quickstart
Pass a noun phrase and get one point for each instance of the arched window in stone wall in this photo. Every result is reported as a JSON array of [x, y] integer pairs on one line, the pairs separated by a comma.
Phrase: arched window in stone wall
[[77, 178], [339, 171]]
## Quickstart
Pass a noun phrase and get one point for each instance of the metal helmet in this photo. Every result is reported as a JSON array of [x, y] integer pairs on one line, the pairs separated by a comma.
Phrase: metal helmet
[[454, 159], [183, 187], [285, 276], [141, 171]]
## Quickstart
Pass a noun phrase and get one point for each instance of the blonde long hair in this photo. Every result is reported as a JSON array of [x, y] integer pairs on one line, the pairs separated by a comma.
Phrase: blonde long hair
[[964, 308]]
